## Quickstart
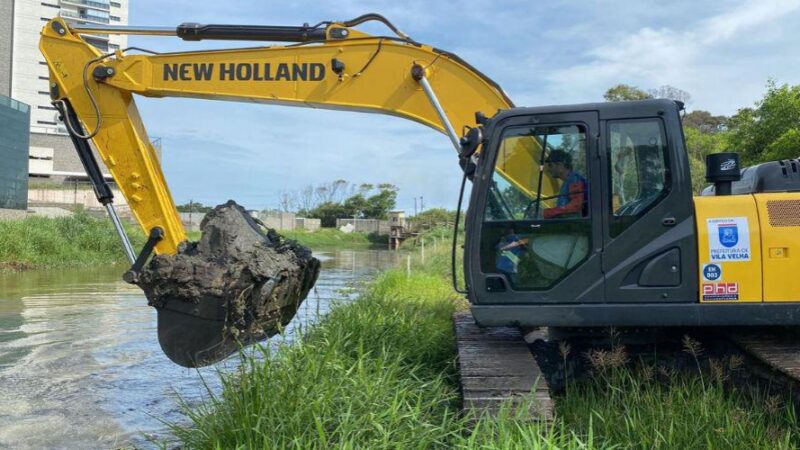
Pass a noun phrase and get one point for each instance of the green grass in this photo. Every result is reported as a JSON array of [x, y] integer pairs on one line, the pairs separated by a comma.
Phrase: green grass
[[630, 408], [380, 372], [331, 237], [79, 240]]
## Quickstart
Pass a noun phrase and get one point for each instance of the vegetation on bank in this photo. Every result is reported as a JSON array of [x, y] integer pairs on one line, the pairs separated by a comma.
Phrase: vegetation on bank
[[78, 240], [381, 372], [82, 240], [331, 237]]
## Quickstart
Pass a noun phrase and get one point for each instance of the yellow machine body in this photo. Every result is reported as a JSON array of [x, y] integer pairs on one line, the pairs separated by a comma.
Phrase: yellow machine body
[[748, 247]]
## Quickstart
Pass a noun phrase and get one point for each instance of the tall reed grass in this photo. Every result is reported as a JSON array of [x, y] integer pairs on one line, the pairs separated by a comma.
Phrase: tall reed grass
[[381, 372], [78, 240]]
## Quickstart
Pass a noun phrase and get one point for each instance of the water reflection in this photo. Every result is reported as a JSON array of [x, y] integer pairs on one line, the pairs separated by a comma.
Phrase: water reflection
[[80, 365]]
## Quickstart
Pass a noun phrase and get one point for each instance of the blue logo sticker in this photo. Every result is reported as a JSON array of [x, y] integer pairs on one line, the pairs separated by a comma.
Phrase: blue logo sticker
[[728, 235], [712, 272]]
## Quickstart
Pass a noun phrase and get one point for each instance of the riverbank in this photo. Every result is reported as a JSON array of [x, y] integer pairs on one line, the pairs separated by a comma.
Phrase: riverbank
[[380, 372], [333, 238], [75, 241], [81, 240]]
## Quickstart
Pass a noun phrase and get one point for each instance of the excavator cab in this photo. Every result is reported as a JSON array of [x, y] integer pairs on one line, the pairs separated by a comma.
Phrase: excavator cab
[[601, 220]]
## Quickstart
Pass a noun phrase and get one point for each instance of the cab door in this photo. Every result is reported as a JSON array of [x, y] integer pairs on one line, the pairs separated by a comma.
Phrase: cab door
[[534, 233], [649, 242]]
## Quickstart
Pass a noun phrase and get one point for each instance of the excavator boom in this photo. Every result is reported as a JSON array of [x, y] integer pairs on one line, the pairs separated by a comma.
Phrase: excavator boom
[[329, 66], [206, 305]]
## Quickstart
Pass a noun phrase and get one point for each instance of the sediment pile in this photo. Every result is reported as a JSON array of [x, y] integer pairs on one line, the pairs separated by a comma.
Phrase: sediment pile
[[237, 285]]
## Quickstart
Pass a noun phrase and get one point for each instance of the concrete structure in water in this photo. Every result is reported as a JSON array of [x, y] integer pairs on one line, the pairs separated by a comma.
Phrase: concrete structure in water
[[24, 74], [14, 124]]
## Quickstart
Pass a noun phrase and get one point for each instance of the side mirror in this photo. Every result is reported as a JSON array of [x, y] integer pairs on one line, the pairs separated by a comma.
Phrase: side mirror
[[470, 142]]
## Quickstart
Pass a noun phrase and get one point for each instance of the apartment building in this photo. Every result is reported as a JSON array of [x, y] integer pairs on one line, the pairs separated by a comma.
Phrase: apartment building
[[24, 74]]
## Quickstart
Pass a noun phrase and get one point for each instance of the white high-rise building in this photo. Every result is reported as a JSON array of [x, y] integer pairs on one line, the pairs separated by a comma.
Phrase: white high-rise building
[[24, 74]]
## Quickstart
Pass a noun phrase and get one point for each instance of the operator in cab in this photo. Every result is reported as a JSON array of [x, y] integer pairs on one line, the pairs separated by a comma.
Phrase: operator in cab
[[572, 199]]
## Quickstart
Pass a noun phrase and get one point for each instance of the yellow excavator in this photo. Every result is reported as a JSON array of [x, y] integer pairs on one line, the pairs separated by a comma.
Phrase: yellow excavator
[[579, 215]]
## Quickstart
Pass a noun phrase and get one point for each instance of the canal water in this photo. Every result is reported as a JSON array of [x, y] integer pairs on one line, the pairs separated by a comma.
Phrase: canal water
[[80, 365]]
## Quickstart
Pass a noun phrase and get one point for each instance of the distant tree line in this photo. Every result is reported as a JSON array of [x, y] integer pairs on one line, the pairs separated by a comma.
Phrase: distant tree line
[[767, 131], [194, 207], [340, 199]]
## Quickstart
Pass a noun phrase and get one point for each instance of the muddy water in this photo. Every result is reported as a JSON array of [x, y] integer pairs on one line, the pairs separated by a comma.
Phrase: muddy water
[[80, 365]]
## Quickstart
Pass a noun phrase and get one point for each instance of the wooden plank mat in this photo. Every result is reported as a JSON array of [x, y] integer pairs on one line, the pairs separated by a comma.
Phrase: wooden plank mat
[[496, 365]]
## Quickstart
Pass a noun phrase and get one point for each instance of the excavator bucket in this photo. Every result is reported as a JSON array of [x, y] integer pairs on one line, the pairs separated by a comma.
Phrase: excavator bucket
[[194, 335], [236, 286]]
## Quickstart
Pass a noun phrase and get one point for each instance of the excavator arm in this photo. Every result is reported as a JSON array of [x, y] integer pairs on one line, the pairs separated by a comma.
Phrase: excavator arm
[[331, 65]]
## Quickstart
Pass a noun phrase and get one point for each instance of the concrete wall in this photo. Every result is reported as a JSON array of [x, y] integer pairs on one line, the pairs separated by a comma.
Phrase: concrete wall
[[272, 219], [366, 225], [191, 221], [80, 196], [12, 214], [65, 158], [303, 223], [278, 220], [52, 212]]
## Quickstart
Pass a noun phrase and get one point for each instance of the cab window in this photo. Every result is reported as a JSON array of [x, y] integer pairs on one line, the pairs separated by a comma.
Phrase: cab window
[[638, 161], [536, 221]]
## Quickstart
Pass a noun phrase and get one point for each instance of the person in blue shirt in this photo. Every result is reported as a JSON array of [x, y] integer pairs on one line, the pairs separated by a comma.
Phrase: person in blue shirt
[[574, 193]]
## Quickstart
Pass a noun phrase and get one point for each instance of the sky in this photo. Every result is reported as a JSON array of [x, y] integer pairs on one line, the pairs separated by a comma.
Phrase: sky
[[541, 53]]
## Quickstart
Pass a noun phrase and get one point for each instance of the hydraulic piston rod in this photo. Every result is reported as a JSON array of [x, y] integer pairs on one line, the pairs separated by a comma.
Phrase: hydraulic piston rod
[[418, 73], [101, 189], [198, 32]]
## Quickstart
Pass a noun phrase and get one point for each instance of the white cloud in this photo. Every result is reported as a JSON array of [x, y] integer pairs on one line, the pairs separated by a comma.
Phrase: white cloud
[[686, 55]]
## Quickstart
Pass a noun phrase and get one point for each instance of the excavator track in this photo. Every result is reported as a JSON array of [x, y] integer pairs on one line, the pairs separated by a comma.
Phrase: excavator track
[[777, 348]]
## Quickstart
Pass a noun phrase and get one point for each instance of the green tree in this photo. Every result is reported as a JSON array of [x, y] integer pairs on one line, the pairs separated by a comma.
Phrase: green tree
[[356, 205], [770, 130], [194, 207], [379, 205], [705, 122], [328, 212], [698, 146], [671, 93], [625, 92], [433, 217]]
